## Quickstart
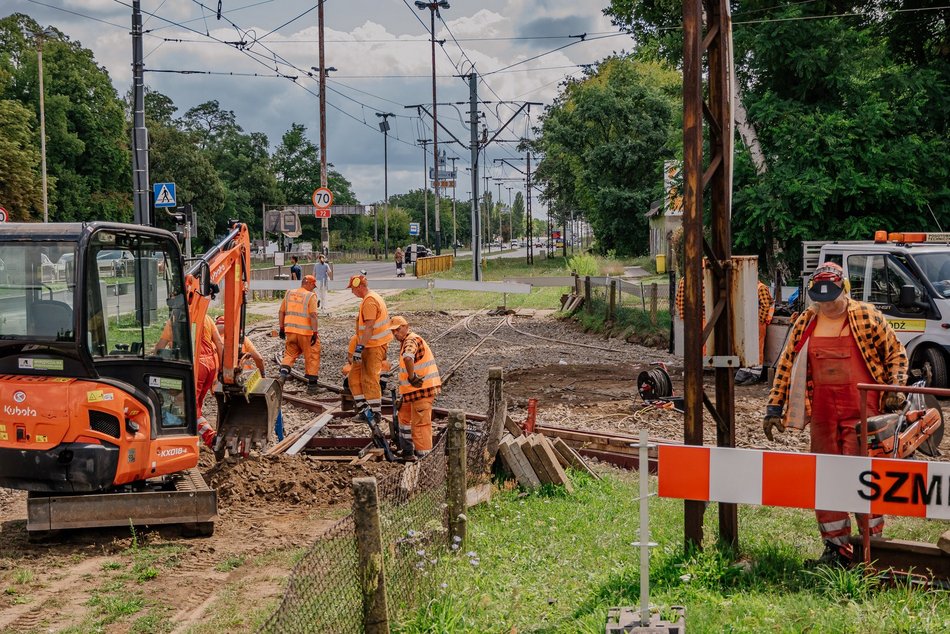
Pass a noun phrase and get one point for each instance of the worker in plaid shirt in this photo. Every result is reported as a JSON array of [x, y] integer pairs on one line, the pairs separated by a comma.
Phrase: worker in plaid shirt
[[835, 344], [419, 384]]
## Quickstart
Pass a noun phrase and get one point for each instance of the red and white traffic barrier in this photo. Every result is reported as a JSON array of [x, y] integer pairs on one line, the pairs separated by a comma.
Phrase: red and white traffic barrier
[[803, 480]]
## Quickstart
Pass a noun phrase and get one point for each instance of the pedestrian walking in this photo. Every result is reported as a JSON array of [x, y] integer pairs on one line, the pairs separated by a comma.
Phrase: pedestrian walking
[[373, 337], [835, 344], [298, 326], [323, 271], [295, 270], [400, 263], [419, 384]]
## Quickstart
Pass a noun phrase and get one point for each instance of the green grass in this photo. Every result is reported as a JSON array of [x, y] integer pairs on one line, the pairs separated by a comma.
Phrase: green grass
[[630, 322], [231, 563], [549, 562]]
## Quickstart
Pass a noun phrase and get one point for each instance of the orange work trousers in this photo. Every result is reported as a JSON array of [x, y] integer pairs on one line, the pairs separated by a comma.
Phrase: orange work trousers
[[298, 345], [417, 415], [364, 378], [207, 375]]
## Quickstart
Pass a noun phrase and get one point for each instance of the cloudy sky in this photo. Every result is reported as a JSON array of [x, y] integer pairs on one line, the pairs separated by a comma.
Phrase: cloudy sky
[[381, 51]]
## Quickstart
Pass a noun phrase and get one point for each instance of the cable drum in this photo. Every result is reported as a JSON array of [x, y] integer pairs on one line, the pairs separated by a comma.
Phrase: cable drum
[[654, 384]]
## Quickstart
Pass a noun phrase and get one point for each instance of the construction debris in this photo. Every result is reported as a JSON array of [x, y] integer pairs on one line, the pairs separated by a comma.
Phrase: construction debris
[[535, 460]]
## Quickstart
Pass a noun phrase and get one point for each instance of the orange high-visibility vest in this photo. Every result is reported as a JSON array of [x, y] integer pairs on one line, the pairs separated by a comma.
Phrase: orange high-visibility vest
[[425, 368], [381, 332], [297, 311]]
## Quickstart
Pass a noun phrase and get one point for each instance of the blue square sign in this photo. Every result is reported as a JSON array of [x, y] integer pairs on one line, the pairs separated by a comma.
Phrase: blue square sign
[[413, 228], [164, 194]]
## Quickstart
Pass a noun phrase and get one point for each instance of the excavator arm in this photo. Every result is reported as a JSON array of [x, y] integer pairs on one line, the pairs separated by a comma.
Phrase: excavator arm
[[247, 406]]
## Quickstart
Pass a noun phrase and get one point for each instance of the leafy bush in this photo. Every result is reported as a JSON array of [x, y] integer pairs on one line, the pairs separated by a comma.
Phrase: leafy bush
[[583, 264]]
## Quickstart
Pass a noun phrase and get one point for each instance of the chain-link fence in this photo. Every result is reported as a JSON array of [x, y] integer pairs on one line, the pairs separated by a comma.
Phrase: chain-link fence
[[323, 593]]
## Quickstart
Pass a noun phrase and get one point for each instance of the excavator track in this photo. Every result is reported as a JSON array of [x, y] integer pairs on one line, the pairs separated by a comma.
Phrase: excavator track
[[183, 498]]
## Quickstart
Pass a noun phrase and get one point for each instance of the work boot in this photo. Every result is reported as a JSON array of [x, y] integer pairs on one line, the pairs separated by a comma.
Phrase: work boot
[[313, 388], [835, 555], [282, 377]]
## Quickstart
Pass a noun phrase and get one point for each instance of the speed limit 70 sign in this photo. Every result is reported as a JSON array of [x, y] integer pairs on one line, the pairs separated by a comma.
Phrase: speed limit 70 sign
[[322, 200]]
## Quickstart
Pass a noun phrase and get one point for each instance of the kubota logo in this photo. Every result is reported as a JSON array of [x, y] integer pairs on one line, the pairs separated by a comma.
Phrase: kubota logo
[[14, 410], [19, 396]]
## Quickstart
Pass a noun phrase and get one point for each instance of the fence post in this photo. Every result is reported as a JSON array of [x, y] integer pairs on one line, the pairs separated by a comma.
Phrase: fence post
[[612, 304], [653, 298], [588, 305], [643, 299], [496, 414], [577, 285], [369, 543], [455, 484]]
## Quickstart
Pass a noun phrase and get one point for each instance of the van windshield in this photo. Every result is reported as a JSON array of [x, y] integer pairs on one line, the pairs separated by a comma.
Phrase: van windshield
[[936, 266]]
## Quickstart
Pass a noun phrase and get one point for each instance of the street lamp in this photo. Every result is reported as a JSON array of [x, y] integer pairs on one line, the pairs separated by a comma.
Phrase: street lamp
[[433, 8], [384, 128], [326, 71]]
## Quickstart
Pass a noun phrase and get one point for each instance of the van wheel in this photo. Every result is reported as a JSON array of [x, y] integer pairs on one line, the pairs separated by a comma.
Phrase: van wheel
[[932, 364]]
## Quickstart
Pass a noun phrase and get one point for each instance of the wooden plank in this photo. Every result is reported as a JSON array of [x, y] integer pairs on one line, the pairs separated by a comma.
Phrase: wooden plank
[[943, 543], [573, 457], [510, 462], [539, 470], [310, 432], [561, 458], [531, 480], [547, 456], [512, 427]]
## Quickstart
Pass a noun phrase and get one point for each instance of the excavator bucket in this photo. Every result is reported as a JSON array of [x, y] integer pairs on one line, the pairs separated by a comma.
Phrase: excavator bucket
[[246, 417]]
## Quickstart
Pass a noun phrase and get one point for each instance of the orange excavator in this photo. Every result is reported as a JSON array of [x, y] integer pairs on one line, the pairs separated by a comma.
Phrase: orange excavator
[[97, 421]]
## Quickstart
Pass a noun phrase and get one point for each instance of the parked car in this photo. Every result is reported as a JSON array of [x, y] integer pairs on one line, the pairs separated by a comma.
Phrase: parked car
[[114, 263], [415, 251]]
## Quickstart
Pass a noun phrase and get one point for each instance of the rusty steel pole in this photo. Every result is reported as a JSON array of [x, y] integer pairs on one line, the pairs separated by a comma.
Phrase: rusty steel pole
[[715, 42], [692, 236]]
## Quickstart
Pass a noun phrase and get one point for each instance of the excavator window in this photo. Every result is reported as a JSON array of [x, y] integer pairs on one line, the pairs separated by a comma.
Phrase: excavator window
[[36, 293], [135, 298]]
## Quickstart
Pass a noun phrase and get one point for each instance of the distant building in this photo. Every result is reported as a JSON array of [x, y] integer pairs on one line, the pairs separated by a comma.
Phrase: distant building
[[666, 216]]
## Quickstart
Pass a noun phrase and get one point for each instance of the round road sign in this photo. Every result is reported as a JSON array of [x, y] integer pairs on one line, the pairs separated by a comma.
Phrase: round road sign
[[3, 214], [322, 198]]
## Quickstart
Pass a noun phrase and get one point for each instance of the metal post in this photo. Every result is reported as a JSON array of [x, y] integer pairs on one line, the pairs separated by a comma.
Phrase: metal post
[[528, 217], [692, 224], [386, 191], [141, 213], [375, 233], [645, 543], [455, 239], [324, 222], [473, 123], [425, 184], [39, 61], [433, 7]]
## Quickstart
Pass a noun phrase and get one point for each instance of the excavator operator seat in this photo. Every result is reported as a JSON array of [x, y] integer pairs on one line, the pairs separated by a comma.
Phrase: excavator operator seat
[[52, 318]]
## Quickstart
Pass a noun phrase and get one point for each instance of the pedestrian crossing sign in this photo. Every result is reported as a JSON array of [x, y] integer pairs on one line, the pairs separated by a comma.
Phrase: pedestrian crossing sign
[[164, 194]]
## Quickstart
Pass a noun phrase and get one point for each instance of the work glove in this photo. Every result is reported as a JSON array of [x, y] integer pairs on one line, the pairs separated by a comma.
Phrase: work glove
[[894, 401], [415, 380], [282, 334], [358, 354], [313, 339], [773, 419]]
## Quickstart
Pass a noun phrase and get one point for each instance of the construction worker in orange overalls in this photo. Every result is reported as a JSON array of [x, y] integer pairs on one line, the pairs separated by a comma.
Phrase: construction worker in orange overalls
[[297, 319], [835, 344], [419, 384], [210, 360], [356, 387], [373, 337], [766, 313]]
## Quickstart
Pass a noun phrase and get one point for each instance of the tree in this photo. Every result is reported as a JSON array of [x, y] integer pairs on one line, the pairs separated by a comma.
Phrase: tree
[[21, 192], [853, 115], [87, 146], [209, 123], [603, 142], [517, 215]]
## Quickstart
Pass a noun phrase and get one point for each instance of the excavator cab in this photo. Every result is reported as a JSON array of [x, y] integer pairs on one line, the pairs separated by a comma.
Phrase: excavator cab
[[90, 399]]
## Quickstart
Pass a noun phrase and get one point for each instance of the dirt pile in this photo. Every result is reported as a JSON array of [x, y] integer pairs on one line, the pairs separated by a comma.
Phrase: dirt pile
[[287, 480]]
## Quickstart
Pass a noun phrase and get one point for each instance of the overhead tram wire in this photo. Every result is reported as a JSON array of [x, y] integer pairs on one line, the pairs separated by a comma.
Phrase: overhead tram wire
[[291, 21]]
